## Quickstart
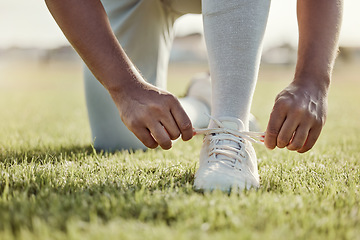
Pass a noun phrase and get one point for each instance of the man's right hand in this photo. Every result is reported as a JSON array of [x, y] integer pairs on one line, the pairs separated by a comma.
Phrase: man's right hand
[[153, 115]]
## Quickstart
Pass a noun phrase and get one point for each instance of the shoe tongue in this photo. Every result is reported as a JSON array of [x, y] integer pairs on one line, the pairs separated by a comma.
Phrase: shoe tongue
[[234, 124], [232, 144], [231, 125]]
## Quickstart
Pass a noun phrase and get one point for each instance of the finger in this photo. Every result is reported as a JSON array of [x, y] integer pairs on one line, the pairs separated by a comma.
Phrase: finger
[[171, 128], [286, 132], [161, 136], [143, 134], [300, 136], [313, 135], [182, 121], [276, 120]]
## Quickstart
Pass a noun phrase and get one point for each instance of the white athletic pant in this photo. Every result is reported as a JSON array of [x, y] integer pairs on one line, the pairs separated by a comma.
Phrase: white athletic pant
[[144, 29]]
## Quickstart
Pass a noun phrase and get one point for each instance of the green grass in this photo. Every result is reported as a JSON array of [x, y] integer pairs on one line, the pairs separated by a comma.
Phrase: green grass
[[54, 186]]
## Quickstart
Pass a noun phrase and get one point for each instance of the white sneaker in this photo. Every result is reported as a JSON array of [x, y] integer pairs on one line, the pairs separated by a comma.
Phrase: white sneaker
[[227, 159], [200, 88]]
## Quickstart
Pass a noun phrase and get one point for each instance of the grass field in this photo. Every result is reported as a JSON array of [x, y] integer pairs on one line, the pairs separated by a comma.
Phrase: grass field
[[54, 186]]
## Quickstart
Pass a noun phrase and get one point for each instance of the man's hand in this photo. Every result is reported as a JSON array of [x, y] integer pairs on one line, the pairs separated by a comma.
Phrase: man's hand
[[297, 117], [153, 115], [299, 112]]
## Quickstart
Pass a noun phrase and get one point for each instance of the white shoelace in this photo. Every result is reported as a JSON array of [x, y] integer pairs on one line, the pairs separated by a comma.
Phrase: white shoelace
[[255, 137], [229, 143]]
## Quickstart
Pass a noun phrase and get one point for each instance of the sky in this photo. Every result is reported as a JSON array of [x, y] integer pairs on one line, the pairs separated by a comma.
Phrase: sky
[[28, 23]]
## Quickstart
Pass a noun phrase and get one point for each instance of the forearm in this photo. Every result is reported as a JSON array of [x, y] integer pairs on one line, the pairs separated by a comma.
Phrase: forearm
[[159, 117], [86, 26], [319, 25]]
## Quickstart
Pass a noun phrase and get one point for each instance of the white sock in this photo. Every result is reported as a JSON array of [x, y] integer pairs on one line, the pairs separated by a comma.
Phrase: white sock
[[234, 31]]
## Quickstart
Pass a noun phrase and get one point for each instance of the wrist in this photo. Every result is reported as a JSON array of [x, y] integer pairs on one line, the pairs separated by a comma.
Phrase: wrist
[[121, 79], [317, 80]]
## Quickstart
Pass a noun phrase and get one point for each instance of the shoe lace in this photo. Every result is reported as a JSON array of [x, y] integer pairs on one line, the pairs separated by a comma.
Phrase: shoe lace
[[229, 143]]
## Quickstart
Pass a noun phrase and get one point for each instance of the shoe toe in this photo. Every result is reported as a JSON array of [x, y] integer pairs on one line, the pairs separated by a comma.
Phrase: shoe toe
[[211, 179]]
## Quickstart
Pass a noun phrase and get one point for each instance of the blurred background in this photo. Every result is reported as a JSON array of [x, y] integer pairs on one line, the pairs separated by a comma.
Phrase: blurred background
[[27, 28], [38, 68]]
